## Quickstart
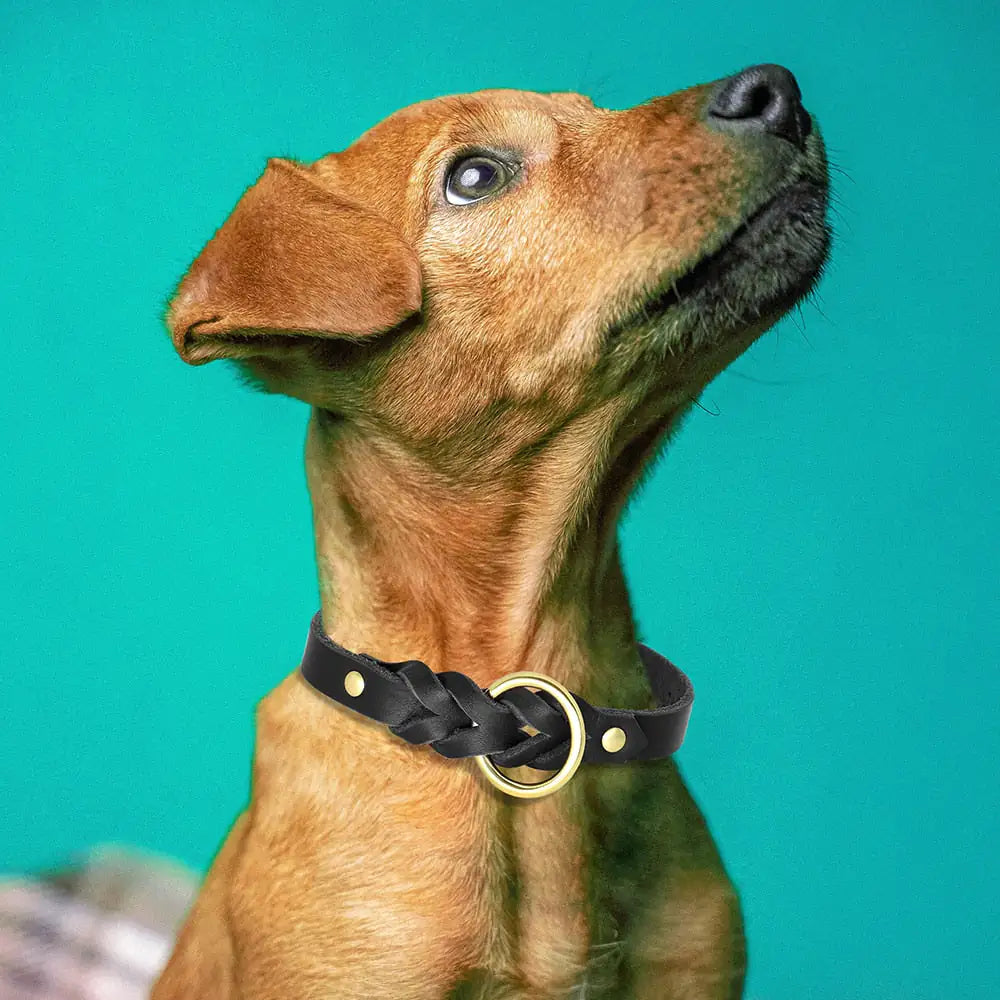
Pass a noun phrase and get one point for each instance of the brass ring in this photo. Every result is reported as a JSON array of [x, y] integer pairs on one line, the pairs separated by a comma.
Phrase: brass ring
[[577, 736]]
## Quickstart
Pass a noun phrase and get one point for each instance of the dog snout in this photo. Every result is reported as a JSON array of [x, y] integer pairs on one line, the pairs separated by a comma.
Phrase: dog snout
[[761, 99]]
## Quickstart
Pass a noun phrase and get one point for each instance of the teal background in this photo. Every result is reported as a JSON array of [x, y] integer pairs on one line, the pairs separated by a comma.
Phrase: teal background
[[818, 549]]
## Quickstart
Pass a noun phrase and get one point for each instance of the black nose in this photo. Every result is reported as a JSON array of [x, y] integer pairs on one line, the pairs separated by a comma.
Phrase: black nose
[[763, 98]]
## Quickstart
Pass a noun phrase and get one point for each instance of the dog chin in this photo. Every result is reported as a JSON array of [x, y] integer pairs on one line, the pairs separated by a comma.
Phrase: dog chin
[[771, 262]]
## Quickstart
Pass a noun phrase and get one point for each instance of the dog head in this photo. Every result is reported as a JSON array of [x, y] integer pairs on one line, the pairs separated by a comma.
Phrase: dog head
[[481, 267]]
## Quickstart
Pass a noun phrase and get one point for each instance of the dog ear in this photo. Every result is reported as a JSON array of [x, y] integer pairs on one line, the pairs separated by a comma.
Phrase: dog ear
[[292, 258]]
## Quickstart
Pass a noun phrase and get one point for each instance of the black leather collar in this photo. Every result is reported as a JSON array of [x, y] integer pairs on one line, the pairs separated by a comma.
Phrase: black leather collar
[[457, 718]]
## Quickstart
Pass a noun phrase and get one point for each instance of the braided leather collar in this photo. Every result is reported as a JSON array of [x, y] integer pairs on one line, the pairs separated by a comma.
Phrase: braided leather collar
[[457, 718]]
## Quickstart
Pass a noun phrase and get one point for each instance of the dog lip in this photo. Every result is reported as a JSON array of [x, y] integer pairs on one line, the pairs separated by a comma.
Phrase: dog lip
[[701, 272]]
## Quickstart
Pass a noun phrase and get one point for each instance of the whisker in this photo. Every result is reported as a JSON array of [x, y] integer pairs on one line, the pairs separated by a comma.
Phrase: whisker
[[802, 325], [813, 298], [762, 381]]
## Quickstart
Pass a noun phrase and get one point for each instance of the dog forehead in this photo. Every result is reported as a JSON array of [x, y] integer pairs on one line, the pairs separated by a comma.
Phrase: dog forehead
[[430, 116], [398, 141]]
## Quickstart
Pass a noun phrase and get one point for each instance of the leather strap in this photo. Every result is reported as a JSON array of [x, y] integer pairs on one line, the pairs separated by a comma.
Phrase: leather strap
[[457, 718]]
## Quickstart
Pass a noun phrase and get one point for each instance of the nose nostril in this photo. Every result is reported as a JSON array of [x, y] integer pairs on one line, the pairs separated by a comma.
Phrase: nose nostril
[[759, 99]]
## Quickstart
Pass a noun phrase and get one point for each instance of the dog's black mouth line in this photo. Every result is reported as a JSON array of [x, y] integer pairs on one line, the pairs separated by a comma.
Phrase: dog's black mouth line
[[680, 288]]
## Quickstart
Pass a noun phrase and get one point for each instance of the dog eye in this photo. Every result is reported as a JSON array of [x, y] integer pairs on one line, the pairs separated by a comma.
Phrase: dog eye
[[474, 178]]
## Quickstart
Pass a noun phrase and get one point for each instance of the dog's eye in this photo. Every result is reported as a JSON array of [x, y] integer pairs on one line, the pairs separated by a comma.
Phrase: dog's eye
[[474, 178]]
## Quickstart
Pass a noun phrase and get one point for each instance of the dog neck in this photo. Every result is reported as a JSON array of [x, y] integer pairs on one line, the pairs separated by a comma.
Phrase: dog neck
[[518, 572]]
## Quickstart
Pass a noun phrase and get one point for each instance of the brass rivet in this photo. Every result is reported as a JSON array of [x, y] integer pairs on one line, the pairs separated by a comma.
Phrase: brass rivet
[[613, 739], [354, 683]]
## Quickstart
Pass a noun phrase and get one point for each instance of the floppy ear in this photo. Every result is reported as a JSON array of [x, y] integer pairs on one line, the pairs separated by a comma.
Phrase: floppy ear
[[293, 258]]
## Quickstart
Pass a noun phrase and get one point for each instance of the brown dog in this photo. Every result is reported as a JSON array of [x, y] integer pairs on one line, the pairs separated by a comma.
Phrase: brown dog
[[498, 306]]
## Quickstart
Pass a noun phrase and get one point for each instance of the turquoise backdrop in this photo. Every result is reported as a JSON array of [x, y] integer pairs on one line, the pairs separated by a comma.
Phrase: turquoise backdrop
[[818, 550]]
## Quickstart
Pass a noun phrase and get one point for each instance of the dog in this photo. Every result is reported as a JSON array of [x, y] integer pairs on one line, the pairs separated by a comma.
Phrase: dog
[[499, 307]]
